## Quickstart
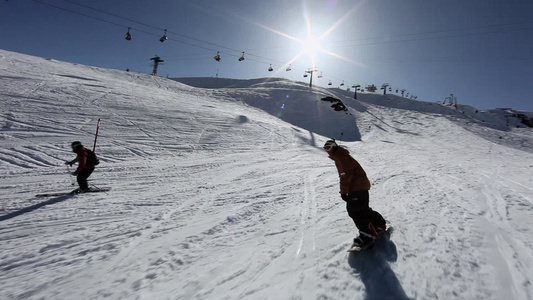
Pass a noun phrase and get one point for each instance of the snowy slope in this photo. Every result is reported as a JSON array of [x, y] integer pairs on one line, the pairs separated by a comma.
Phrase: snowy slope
[[227, 194]]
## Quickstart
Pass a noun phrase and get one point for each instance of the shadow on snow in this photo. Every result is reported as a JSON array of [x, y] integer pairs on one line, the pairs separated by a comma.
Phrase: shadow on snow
[[373, 267], [35, 207]]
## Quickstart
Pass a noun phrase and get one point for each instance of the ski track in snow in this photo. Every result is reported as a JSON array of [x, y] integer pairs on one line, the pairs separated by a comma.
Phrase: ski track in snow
[[227, 194]]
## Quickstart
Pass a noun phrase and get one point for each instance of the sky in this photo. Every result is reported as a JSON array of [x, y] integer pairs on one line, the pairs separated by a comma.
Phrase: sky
[[477, 50]]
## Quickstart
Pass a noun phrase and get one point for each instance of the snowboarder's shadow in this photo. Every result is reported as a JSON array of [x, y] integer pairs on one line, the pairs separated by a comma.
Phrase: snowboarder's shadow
[[373, 268]]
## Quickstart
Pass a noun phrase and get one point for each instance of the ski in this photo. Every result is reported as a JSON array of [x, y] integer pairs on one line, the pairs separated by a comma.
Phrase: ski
[[74, 192]]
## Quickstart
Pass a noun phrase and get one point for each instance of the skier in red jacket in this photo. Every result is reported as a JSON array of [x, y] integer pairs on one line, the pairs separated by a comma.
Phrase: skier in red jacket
[[85, 168], [354, 186]]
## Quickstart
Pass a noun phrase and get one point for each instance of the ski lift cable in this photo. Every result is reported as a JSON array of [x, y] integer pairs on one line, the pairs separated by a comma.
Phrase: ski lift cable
[[110, 14], [220, 46], [420, 39], [95, 18], [154, 27], [448, 31], [121, 25], [388, 37], [260, 59], [159, 29], [388, 40], [78, 13], [147, 25]]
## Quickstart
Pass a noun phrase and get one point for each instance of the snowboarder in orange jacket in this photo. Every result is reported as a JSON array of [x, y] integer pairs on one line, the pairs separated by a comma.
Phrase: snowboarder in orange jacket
[[354, 187]]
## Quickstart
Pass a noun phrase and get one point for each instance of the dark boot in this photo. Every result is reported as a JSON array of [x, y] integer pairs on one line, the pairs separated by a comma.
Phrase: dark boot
[[364, 240]]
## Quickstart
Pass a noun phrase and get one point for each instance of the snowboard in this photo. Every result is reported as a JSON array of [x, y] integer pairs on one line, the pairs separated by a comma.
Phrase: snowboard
[[74, 192], [386, 234]]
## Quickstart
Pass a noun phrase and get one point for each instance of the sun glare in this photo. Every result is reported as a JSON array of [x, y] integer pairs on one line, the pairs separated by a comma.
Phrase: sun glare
[[311, 45]]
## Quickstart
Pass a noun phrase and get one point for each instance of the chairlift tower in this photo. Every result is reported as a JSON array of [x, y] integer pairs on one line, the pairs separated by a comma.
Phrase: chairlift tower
[[384, 88], [356, 87], [452, 100], [156, 60], [310, 71]]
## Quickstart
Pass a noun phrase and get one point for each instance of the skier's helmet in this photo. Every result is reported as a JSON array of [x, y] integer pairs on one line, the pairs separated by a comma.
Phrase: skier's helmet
[[76, 144], [330, 144]]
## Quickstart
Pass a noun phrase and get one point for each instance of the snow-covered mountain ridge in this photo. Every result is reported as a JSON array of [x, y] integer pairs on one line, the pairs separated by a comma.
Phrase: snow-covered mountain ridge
[[272, 93], [226, 193]]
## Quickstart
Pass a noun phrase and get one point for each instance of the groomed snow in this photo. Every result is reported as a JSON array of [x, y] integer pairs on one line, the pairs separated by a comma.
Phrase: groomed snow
[[226, 193]]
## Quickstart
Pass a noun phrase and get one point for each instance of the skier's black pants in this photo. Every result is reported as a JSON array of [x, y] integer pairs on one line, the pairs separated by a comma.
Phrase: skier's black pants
[[361, 213], [82, 178]]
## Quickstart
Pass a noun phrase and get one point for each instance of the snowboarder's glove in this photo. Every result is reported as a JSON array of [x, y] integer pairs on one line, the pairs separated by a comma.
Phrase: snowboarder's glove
[[344, 197]]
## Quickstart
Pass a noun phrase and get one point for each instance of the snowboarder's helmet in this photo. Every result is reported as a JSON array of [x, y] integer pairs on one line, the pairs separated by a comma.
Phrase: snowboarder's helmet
[[330, 145], [76, 144]]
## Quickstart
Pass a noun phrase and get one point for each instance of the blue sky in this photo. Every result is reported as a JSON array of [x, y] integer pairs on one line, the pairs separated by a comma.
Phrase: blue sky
[[479, 50]]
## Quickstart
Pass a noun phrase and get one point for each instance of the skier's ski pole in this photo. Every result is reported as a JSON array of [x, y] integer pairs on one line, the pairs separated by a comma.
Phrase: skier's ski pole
[[96, 135], [70, 175]]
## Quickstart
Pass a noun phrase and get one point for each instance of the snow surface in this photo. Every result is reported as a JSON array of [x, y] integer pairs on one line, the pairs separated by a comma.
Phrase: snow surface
[[226, 193]]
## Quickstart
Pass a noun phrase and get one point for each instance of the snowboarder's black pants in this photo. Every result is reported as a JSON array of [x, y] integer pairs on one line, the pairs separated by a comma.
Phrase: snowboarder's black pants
[[361, 213], [82, 178]]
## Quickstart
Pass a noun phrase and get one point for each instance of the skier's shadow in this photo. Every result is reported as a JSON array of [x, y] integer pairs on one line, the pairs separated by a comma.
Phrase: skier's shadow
[[373, 267], [34, 207]]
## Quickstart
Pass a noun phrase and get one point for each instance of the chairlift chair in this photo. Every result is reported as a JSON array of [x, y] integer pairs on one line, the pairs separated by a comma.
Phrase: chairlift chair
[[288, 68], [127, 36], [242, 57], [217, 57], [270, 69], [320, 76], [329, 83], [164, 37], [305, 75]]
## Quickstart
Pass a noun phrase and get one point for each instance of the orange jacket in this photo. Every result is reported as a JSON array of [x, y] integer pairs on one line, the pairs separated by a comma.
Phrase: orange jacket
[[351, 174]]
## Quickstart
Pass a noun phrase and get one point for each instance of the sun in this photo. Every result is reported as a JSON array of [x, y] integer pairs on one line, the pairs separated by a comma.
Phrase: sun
[[311, 46]]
